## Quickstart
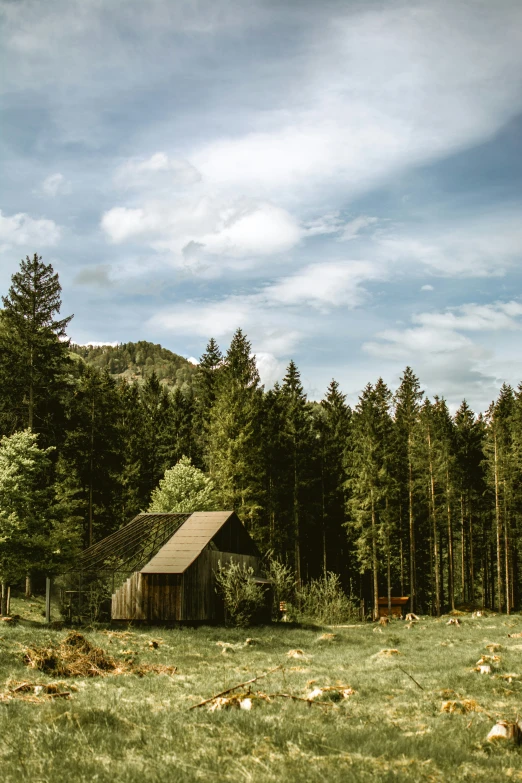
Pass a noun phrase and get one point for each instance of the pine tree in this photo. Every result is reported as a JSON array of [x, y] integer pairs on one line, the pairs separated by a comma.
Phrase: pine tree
[[470, 489], [33, 352], [371, 481], [158, 448], [296, 445], [132, 497], [407, 406], [35, 533], [499, 473], [333, 427], [91, 461], [234, 447], [205, 389]]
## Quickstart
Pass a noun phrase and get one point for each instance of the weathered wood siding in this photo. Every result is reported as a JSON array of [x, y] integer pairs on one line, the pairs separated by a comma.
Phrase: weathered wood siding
[[154, 598], [165, 596], [200, 600], [127, 600]]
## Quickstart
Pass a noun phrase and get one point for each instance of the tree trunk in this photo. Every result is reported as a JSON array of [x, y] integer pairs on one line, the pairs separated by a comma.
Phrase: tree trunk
[[462, 549], [451, 576], [28, 586], [388, 564], [401, 550], [375, 573], [413, 602], [3, 605], [31, 390], [323, 514], [498, 521], [91, 476], [471, 554], [297, 531], [436, 554], [506, 552]]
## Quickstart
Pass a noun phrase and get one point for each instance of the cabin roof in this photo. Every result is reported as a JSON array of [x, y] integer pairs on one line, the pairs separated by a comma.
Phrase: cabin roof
[[132, 546], [187, 543]]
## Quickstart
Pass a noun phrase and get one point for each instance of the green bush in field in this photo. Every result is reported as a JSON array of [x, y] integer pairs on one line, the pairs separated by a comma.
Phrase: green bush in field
[[324, 601], [282, 578], [243, 597]]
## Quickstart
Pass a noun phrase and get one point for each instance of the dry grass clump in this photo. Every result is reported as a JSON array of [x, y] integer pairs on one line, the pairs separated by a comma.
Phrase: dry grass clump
[[387, 653], [36, 692], [75, 656], [462, 706]]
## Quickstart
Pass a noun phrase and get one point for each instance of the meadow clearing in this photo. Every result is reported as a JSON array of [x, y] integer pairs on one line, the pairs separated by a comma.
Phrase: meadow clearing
[[131, 728]]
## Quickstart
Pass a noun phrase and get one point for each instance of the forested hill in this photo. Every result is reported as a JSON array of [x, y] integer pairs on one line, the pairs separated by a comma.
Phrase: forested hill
[[137, 361]]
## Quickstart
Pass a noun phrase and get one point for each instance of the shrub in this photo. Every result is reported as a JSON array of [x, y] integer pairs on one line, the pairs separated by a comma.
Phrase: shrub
[[324, 600], [283, 584], [243, 597]]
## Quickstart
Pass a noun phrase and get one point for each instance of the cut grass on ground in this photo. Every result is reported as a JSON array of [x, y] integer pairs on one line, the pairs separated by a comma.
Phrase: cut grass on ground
[[128, 728]]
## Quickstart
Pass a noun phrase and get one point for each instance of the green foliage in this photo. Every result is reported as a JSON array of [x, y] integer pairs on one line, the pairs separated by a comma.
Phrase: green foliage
[[282, 578], [137, 361], [324, 601], [234, 451], [243, 597], [33, 352], [35, 531], [184, 488]]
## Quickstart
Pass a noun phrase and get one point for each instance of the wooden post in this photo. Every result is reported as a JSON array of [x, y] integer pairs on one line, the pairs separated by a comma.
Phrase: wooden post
[[8, 601], [47, 599]]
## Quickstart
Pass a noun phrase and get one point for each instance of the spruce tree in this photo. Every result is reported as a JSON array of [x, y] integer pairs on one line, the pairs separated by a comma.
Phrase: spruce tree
[[371, 482], [407, 405], [471, 492], [234, 446], [333, 426], [205, 389], [499, 474], [91, 461], [297, 447], [33, 352]]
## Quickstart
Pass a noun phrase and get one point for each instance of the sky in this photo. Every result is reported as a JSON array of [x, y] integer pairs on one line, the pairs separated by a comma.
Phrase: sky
[[340, 179]]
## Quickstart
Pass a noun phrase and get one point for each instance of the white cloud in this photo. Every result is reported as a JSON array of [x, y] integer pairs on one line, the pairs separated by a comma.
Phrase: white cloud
[[327, 284], [440, 348], [353, 228], [158, 169], [196, 230], [99, 344], [484, 245], [473, 317], [395, 103], [122, 223], [427, 288], [23, 230], [270, 368], [55, 185]]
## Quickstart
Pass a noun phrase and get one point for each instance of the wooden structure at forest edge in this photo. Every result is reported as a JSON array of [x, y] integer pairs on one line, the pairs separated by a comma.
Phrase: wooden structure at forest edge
[[178, 583], [398, 604]]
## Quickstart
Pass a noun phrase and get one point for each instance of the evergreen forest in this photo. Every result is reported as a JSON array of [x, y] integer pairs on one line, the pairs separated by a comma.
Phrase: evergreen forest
[[396, 495]]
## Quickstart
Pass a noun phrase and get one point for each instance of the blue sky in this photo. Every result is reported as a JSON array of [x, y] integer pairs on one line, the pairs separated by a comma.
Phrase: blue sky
[[340, 179]]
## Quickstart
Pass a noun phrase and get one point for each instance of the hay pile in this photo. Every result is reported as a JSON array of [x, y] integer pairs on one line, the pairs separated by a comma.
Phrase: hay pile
[[75, 656], [36, 692], [462, 706]]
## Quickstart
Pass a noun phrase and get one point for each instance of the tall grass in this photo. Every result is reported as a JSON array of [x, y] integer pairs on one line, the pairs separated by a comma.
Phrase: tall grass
[[125, 729]]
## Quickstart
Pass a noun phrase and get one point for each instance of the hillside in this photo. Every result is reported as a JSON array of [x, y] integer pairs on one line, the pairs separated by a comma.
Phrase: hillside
[[137, 361]]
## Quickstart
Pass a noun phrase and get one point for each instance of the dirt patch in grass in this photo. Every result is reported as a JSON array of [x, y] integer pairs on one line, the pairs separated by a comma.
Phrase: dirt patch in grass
[[76, 656]]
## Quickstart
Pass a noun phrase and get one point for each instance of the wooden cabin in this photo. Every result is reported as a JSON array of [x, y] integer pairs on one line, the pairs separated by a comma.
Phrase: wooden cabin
[[178, 583], [398, 606]]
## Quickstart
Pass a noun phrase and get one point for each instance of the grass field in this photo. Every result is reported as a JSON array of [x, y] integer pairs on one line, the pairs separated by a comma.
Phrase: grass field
[[130, 728]]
